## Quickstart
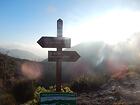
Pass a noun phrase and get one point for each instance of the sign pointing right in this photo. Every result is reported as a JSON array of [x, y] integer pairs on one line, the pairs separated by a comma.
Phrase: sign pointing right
[[58, 56], [67, 56]]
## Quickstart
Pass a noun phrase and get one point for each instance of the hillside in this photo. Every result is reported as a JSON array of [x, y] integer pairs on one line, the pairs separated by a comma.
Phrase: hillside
[[120, 62], [103, 70], [22, 54], [16, 76], [85, 64], [97, 58], [124, 91], [10, 69]]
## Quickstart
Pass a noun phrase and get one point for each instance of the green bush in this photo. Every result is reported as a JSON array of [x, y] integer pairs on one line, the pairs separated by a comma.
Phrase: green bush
[[40, 89]]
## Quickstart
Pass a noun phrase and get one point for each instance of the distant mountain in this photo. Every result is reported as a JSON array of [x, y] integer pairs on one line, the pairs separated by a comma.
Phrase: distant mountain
[[22, 54]]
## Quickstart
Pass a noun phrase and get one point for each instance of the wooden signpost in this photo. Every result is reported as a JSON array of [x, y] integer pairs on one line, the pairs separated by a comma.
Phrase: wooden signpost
[[58, 56], [54, 42], [67, 56]]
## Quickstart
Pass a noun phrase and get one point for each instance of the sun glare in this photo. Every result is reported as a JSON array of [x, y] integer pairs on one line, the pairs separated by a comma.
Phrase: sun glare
[[112, 27]]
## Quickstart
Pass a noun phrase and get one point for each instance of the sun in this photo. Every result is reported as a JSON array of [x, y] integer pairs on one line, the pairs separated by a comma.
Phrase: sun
[[112, 27]]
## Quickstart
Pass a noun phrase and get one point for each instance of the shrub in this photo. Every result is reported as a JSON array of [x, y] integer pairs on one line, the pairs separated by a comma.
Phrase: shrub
[[88, 83], [23, 91], [7, 99], [40, 89]]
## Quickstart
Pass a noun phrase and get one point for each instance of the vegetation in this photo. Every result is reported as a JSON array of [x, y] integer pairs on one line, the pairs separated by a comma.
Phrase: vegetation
[[8, 67], [88, 83], [40, 90], [13, 88], [7, 99], [16, 89], [23, 91]]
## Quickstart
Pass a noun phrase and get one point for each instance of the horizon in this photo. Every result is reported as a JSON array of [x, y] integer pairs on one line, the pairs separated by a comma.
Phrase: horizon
[[24, 22]]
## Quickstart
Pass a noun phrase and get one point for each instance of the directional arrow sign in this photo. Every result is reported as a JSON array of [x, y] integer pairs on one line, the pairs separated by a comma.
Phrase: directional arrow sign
[[67, 56], [54, 42]]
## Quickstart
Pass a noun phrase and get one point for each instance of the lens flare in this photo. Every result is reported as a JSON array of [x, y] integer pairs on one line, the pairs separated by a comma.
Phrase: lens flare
[[31, 70], [117, 69]]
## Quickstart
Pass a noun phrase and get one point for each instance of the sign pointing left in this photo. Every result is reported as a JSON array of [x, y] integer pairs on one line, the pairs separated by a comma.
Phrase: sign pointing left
[[59, 42], [54, 42]]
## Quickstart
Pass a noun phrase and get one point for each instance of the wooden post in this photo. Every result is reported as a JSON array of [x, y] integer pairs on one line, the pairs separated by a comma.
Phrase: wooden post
[[59, 62], [59, 42]]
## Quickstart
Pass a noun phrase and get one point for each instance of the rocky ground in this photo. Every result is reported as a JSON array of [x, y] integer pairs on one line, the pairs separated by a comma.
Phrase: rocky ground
[[125, 91]]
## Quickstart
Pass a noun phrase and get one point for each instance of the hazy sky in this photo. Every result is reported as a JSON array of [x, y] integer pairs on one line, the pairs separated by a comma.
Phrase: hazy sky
[[23, 22]]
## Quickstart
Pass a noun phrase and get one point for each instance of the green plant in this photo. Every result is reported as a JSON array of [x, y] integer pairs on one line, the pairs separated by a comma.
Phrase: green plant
[[40, 90]]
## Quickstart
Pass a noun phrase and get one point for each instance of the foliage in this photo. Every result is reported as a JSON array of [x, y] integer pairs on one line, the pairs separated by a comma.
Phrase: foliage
[[120, 103], [8, 71], [7, 99], [23, 91], [40, 90], [88, 83], [134, 68]]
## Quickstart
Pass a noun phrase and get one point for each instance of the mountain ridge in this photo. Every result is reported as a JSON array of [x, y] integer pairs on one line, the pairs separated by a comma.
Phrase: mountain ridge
[[22, 54]]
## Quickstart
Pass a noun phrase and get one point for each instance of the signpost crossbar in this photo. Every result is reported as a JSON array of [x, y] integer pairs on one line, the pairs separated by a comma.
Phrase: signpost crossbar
[[58, 56]]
